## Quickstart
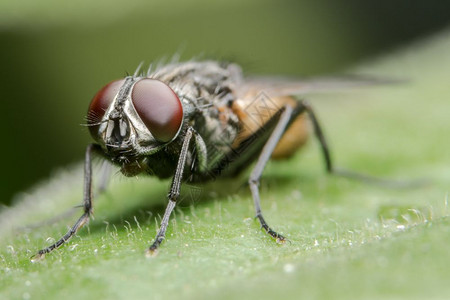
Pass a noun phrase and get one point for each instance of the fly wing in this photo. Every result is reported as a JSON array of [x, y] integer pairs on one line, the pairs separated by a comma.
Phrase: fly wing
[[285, 86], [241, 156]]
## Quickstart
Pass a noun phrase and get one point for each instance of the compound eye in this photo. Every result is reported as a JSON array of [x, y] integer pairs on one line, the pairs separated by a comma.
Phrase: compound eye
[[159, 108], [100, 103]]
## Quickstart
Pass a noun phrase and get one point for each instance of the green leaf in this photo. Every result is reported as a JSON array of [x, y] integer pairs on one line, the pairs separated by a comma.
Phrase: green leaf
[[347, 239]]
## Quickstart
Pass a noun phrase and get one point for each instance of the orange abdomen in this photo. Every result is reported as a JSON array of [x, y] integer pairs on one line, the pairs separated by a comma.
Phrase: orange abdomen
[[254, 111]]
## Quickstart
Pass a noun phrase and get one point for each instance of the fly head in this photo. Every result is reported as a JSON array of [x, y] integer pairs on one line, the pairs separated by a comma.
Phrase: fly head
[[134, 117]]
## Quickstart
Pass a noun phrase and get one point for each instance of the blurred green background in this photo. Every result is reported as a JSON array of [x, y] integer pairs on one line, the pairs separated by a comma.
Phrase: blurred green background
[[55, 55]]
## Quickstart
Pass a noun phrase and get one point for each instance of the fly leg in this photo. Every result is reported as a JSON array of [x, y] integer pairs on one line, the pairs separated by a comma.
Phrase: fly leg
[[104, 178], [173, 195], [259, 167], [319, 135], [87, 206], [389, 183]]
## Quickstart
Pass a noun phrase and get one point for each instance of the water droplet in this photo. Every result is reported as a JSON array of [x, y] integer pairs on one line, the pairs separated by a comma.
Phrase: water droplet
[[288, 268]]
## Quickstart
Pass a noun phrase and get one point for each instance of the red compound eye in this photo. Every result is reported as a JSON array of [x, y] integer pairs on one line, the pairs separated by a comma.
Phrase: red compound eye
[[100, 103], [159, 108]]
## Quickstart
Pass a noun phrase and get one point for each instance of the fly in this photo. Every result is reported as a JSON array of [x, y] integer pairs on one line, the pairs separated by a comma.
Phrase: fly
[[195, 121]]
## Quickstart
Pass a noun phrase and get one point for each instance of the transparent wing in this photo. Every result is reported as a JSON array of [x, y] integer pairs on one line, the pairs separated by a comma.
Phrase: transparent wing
[[285, 86]]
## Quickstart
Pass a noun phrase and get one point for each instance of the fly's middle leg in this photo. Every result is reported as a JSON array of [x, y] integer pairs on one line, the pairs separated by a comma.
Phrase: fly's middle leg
[[259, 167]]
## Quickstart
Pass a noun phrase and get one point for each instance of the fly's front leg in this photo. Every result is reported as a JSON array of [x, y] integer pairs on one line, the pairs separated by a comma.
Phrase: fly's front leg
[[87, 206], [173, 195], [259, 167]]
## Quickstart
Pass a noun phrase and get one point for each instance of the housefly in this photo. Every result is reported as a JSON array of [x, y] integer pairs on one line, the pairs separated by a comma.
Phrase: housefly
[[195, 121]]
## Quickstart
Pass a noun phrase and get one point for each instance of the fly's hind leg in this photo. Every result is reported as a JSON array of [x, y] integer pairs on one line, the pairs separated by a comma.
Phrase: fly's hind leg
[[319, 135], [259, 167], [331, 169]]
